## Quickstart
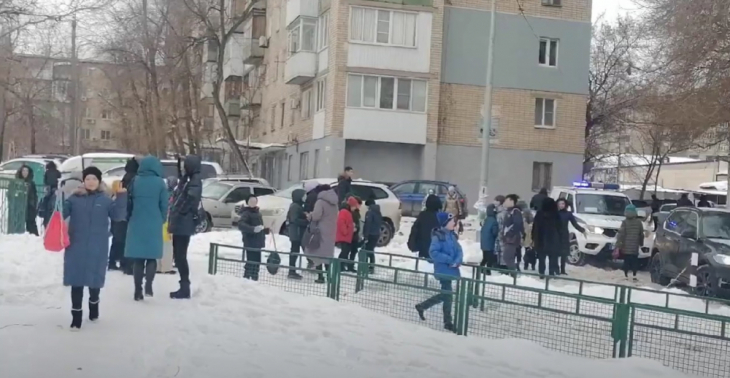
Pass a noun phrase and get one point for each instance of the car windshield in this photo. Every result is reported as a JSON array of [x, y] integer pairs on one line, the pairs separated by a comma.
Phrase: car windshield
[[104, 164], [215, 190], [602, 204], [716, 225], [286, 193]]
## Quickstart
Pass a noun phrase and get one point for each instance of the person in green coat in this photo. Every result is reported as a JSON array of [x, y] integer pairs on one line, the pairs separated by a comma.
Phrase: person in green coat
[[146, 210], [629, 240]]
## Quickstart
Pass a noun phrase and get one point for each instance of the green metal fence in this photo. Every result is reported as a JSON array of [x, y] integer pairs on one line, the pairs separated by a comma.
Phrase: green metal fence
[[13, 204], [577, 319]]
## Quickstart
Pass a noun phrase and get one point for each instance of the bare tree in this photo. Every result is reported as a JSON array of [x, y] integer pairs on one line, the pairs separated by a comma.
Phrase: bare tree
[[611, 88], [220, 20]]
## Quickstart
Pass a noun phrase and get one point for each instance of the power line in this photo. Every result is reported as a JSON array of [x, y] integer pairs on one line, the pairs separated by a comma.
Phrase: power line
[[521, 9]]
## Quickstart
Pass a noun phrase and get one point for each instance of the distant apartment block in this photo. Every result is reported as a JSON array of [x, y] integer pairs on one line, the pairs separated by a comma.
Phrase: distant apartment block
[[395, 89]]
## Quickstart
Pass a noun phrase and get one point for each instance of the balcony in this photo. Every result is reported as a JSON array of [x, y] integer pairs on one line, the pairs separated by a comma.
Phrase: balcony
[[301, 68], [251, 100], [301, 8], [254, 28], [233, 108]]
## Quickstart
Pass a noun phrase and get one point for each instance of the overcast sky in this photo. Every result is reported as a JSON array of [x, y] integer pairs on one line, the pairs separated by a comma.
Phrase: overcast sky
[[611, 8]]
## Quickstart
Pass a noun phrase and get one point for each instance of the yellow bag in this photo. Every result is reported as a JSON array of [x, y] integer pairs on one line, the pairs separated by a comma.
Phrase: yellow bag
[[165, 234]]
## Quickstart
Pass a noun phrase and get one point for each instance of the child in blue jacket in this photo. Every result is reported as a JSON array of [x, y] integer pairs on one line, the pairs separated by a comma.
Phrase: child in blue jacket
[[447, 256], [488, 238]]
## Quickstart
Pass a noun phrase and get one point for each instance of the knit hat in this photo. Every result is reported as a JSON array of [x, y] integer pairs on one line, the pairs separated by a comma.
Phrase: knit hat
[[444, 218], [500, 198], [92, 171], [352, 202]]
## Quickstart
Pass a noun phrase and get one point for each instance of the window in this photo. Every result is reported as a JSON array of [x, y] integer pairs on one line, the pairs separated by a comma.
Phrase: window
[[288, 168], [365, 91], [364, 192], [238, 195], [273, 118], [87, 113], [306, 104], [548, 52], [316, 163], [381, 26], [323, 32], [302, 35], [541, 175], [554, 3], [106, 114], [106, 134], [85, 133], [544, 112], [407, 188], [258, 192], [601, 204], [426, 188], [303, 165], [321, 94], [283, 109]]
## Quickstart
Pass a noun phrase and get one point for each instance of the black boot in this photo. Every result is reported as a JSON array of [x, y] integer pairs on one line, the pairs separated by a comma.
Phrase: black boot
[[183, 293], [294, 275], [150, 271], [138, 270], [93, 311], [76, 316]]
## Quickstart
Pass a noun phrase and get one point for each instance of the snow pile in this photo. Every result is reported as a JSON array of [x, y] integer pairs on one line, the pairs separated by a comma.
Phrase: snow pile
[[233, 328]]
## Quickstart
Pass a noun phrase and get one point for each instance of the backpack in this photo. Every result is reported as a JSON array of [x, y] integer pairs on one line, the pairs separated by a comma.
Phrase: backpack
[[509, 237]]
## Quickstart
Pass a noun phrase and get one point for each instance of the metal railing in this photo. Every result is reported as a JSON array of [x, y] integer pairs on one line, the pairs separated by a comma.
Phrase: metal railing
[[13, 205], [572, 316]]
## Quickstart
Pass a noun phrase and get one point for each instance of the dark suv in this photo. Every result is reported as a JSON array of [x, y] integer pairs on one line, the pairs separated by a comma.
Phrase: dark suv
[[688, 230]]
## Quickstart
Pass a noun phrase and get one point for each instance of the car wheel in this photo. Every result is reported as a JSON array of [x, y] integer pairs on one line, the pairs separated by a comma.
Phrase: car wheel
[[386, 234], [575, 256], [205, 226], [706, 282], [655, 271]]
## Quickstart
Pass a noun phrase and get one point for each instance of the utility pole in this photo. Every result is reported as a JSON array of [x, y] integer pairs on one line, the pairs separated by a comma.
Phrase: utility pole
[[487, 121], [74, 123]]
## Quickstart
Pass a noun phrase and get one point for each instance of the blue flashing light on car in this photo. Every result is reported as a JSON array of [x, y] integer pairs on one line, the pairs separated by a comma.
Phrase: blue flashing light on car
[[596, 185]]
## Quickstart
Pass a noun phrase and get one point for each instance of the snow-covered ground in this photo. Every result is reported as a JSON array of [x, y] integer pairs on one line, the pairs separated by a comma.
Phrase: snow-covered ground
[[233, 328]]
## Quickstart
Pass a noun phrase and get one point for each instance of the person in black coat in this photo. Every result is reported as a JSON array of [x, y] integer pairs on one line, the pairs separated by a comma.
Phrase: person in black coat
[[536, 201], [296, 224], [25, 173], [703, 202], [684, 201], [371, 229], [51, 176], [566, 217], [254, 233], [546, 236], [130, 170], [420, 238], [344, 184], [183, 218], [50, 180]]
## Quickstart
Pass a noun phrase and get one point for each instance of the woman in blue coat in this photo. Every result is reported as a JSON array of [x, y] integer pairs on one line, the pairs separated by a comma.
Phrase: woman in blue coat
[[146, 210], [488, 238], [88, 211], [447, 256]]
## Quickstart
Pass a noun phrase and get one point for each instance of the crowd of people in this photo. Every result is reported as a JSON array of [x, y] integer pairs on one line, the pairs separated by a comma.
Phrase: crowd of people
[[150, 222]]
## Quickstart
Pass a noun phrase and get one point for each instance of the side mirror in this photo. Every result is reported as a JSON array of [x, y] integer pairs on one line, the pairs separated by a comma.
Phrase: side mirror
[[689, 234]]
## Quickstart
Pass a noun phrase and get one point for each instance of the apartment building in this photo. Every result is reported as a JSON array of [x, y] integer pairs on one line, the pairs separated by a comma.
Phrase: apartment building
[[39, 107], [395, 89]]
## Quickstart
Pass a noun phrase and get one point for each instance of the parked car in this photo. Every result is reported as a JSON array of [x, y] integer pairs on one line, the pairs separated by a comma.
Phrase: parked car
[[412, 192], [274, 207], [664, 211], [689, 230], [55, 157], [10, 168], [237, 178], [169, 168], [72, 167], [220, 200]]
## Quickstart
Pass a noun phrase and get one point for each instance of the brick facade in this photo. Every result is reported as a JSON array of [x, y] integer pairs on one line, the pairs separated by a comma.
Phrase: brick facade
[[515, 109]]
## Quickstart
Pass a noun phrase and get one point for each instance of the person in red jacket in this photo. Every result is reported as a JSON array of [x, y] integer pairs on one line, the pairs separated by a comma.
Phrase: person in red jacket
[[345, 232]]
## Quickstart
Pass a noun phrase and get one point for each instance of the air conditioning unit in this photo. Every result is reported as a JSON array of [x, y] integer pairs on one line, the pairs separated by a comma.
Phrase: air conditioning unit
[[294, 103], [263, 41]]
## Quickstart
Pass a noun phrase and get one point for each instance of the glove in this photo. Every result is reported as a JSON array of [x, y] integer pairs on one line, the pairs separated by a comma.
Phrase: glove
[[258, 229], [267, 231]]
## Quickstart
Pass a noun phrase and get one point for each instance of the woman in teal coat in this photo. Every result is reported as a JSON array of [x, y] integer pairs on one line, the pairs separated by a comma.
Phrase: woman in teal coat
[[146, 210]]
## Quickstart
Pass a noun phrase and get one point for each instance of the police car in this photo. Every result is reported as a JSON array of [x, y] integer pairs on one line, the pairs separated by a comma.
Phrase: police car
[[599, 209]]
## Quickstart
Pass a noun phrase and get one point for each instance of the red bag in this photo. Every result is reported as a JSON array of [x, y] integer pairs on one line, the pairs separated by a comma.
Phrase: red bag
[[56, 237]]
